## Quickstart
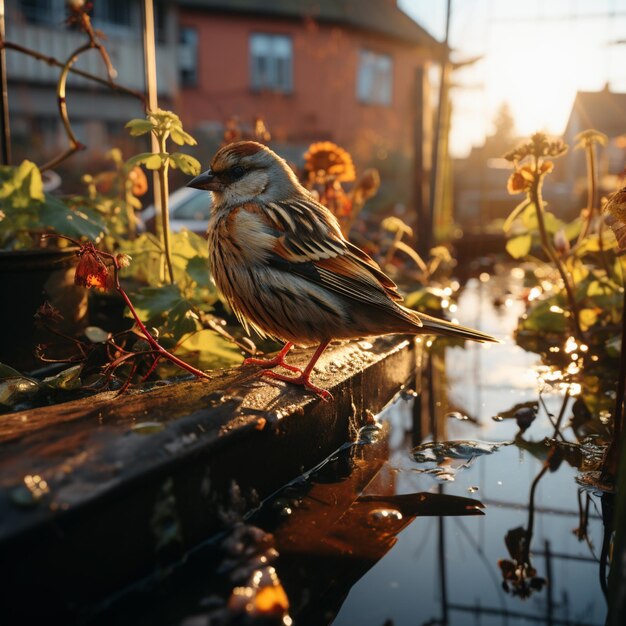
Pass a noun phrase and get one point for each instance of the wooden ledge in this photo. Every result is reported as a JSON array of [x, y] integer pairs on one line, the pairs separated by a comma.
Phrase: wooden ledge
[[97, 493]]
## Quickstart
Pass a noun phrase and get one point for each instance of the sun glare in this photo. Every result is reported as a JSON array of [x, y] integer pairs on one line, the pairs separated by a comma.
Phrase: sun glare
[[538, 68]]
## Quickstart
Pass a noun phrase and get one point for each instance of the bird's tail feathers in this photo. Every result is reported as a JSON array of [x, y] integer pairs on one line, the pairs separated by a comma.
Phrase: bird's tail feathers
[[438, 326]]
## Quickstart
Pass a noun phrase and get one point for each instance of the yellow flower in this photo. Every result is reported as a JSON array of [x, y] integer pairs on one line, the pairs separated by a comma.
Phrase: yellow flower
[[520, 180], [326, 160]]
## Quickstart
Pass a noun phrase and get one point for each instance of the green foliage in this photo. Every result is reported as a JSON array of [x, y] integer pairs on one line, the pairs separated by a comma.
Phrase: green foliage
[[26, 212], [519, 247]]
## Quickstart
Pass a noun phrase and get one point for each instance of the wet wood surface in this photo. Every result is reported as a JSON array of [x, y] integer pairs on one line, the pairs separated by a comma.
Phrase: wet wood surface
[[97, 493]]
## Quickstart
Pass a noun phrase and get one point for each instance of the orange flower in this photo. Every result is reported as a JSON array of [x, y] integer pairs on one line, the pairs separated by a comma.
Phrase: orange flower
[[517, 183], [139, 181], [326, 160]]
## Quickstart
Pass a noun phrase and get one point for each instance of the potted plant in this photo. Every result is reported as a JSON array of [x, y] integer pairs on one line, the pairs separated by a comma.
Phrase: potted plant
[[34, 269]]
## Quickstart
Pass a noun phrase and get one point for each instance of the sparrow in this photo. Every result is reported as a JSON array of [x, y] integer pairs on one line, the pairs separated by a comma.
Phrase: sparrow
[[280, 261]]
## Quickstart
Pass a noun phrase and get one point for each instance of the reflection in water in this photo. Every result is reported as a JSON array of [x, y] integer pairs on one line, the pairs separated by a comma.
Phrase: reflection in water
[[389, 530], [453, 571]]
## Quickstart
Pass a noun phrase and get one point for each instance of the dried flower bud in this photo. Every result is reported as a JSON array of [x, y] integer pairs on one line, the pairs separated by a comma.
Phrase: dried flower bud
[[123, 260], [91, 270], [561, 242], [590, 137], [367, 186], [47, 313]]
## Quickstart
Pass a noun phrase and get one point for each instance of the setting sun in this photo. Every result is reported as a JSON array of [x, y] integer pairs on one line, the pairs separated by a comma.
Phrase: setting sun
[[534, 58]]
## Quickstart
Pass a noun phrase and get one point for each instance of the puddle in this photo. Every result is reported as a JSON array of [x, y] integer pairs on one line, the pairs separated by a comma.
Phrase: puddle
[[458, 507]]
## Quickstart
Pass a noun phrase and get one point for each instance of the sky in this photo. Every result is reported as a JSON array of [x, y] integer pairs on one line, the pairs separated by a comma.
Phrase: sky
[[536, 55]]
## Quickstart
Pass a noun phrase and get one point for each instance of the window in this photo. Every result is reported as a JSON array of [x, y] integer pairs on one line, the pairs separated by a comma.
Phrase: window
[[43, 11], [374, 80], [271, 62], [188, 56], [115, 12]]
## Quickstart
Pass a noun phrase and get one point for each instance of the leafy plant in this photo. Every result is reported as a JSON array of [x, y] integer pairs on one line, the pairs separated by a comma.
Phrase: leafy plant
[[164, 125], [27, 212]]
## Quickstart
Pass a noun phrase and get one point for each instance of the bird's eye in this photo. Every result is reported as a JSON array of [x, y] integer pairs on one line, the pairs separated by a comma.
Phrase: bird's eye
[[237, 172]]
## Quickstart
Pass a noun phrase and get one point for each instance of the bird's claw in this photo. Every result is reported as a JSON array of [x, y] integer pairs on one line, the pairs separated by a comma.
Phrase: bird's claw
[[275, 362], [300, 380]]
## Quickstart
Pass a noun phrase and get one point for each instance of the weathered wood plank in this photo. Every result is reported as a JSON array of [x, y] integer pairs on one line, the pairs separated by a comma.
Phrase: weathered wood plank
[[136, 481]]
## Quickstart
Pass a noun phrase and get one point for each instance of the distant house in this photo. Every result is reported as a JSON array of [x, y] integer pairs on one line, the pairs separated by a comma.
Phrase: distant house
[[96, 112], [350, 71], [604, 111]]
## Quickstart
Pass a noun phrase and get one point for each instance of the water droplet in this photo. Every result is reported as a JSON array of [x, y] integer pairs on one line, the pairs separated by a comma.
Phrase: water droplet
[[383, 517], [457, 416], [147, 428]]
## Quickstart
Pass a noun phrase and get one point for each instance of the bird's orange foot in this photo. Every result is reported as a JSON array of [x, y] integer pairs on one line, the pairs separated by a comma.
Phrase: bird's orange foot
[[275, 362], [303, 380]]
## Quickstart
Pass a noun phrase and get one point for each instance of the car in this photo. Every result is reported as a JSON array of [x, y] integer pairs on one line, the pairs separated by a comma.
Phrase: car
[[189, 208]]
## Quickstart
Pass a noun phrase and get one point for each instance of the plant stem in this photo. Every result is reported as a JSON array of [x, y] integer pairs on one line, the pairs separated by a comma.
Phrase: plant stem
[[55, 62], [591, 190], [165, 212], [153, 342], [535, 195], [531, 512]]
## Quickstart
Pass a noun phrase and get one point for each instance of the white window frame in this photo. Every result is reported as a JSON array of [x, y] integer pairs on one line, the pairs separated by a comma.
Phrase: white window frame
[[374, 83], [271, 62]]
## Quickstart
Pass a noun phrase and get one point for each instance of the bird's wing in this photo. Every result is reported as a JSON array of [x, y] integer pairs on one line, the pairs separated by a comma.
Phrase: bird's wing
[[309, 244]]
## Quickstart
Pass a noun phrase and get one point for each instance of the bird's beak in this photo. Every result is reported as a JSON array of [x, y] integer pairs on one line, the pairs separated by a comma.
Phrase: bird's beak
[[207, 180]]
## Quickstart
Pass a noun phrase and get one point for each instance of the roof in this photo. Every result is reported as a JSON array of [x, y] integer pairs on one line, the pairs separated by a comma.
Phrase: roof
[[601, 110], [378, 16]]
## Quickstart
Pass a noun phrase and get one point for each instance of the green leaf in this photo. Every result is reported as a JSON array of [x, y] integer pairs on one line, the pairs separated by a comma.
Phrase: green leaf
[[198, 270], [213, 349], [153, 302], [147, 253], [519, 247], [587, 318], [542, 317], [21, 186], [67, 379], [55, 214], [13, 390], [180, 137], [182, 319], [139, 127], [96, 334], [152, 160], [530, 220], [185, 163]]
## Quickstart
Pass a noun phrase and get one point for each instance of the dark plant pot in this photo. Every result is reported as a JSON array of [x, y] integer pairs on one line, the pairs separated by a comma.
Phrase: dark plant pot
[[106, 310], [29, 278]]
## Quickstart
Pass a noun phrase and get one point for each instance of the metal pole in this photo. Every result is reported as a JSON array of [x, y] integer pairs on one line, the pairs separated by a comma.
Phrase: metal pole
[[419, 177], [5, 129], [435, 174]]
